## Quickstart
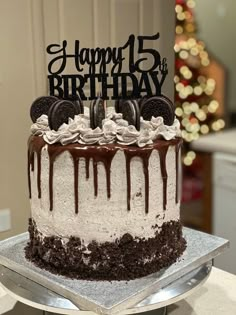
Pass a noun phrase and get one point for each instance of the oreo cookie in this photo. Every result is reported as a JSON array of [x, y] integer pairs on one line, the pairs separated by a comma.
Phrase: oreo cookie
[[131, 113], [119, 103], [158, 106], [77, 101], [60, 113], [97, 113], [41, 106]]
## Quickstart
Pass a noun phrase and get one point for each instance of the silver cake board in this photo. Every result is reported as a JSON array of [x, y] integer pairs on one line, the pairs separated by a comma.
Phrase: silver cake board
[[104, 297], [33, 294]]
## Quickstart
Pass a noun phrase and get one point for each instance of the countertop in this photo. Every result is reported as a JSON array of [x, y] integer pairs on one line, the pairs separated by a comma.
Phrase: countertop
[[224, 141], [216, 297], [6, 302]]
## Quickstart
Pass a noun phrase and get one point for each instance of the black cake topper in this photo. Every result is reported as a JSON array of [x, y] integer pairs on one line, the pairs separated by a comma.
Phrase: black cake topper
[[143, 81]]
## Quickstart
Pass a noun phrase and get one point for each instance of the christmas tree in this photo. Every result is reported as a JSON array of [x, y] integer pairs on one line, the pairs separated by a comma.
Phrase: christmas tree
[[195, 104]]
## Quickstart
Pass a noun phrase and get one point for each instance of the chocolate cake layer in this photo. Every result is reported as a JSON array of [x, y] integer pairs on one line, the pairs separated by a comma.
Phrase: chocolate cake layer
[[125, 259]]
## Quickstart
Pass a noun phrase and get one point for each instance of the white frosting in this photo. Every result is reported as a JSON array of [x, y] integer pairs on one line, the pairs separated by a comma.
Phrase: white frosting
[[114, 129], [41, 126], [100, 218]]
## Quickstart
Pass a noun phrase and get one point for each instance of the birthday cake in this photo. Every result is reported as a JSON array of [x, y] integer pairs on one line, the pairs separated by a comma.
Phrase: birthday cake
[[104, 180], [104, 200]]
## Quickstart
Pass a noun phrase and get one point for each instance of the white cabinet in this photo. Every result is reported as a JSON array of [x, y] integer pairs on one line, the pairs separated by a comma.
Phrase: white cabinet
[[224, 207], [222, 145]]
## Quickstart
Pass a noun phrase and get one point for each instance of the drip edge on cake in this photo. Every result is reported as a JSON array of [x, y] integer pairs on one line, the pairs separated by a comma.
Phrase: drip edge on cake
[[104, 154]]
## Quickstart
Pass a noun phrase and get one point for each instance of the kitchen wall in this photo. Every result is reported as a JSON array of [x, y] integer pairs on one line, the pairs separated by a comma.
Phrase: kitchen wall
[[17, 89], [216, 26]]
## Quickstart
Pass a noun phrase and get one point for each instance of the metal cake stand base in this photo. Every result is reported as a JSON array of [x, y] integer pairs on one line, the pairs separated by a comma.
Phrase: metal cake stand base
[[161, 311], [37, 296]]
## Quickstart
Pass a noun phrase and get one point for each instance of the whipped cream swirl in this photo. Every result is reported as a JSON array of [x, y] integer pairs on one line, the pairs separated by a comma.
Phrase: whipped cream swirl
[[114, 129], [41, 126]]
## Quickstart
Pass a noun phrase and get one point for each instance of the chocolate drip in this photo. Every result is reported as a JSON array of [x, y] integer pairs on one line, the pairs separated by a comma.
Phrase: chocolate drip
[[28, 170], [144, 154], [35, 144], [97, 154], [32, 161], [162, 154], [105, 155], [177, 149], [39, 173], [52, 157], [128, 159], [51, 184], [95, 177], [146, 176], [87, 167], [76, 183]]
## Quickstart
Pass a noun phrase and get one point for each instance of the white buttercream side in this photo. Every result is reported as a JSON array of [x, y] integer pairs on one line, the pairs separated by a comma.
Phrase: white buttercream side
[[99, 218]]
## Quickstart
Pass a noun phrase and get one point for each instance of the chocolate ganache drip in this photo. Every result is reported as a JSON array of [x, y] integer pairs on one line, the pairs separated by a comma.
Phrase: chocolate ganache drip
[[144, 154], [105, 155], [177, 155], [162, 155], [96, 154], [35, 144]]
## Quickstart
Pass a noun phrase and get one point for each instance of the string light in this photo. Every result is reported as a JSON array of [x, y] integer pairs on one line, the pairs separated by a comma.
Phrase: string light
[[178, 112], [183, 54], [176, 79], [180, 16], [179, 30], [213, 106], [192, 42], [184, 122], [205, 62], [221, 123], [211, 83], [197, 90], [201, 115], [194, 107], [204, 129], [191, 4], [187, 161], [218, 124], [194, 51], [178, 8], [192, 154], [179, 87], [187, 110], [176, 48]]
